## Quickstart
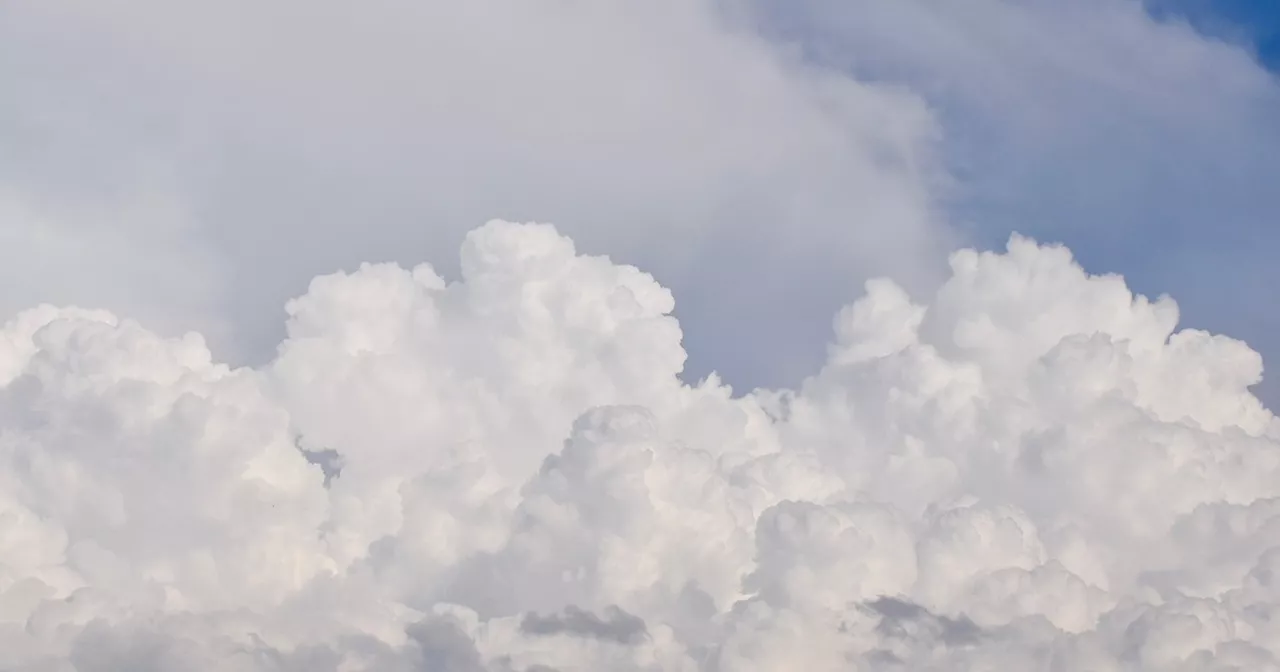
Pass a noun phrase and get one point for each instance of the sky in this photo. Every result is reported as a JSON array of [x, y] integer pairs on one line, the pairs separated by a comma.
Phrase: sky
[[1254, 24], [697, 335], [1118, 132]]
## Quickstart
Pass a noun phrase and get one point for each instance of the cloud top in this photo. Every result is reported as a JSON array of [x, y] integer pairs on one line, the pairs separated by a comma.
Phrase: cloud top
[[1031, 469]]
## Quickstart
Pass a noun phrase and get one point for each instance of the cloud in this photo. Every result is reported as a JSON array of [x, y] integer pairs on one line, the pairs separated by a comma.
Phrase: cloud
[[899, 617], [1030, 467], [1145, 145], [620, 626], [239, 150]]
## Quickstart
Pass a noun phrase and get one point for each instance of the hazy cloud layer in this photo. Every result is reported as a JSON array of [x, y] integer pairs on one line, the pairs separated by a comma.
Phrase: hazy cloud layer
[[759, 157], [237, 149], [1029, 468]]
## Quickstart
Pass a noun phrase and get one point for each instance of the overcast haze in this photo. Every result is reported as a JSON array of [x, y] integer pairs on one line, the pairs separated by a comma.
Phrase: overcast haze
[[264, 145], [382, 336]]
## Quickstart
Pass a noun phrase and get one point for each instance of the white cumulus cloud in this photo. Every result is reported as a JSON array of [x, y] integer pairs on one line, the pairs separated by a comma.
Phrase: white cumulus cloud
[[1030, 468]]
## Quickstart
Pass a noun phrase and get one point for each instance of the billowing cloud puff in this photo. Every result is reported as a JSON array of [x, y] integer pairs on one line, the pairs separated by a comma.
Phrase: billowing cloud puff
[[1031, 470]]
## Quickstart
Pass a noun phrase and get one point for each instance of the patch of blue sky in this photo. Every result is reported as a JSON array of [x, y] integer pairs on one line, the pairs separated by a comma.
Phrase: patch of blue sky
[[1147, 141], [1253, 23]]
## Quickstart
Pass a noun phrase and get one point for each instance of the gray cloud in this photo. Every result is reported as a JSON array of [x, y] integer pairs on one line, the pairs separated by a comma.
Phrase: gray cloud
[[663, 134], [444, 647], [907, 128], [900, 618], [329, 460], [616, 625]]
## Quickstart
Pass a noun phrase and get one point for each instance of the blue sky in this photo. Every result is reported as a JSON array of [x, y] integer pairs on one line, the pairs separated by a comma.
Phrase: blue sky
[[1255, 22], [1218, 261], [1151, 149]]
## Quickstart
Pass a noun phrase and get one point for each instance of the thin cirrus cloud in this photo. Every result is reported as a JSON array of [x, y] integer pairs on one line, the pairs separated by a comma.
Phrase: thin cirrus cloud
[[500, 461]]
